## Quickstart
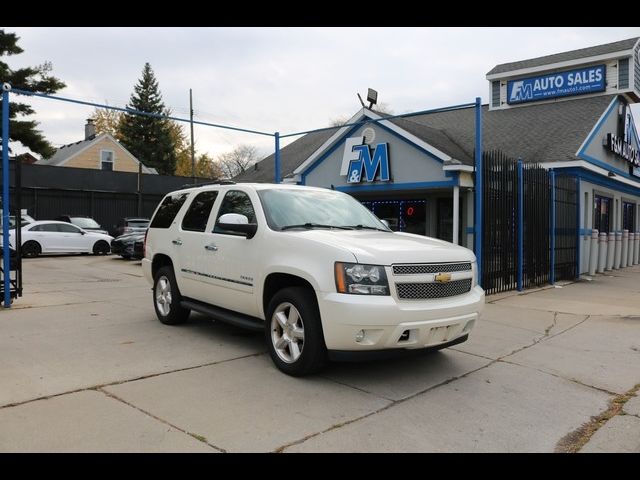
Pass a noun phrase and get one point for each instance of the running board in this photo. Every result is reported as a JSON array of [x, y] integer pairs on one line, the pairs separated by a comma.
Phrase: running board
[[224, 315]]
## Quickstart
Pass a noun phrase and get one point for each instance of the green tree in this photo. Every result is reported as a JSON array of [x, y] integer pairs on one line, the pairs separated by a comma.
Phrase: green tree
[[149, 139], [35, 79]]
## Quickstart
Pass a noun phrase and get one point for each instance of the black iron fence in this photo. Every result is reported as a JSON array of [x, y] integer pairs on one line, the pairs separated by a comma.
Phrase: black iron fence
[[517, 225]]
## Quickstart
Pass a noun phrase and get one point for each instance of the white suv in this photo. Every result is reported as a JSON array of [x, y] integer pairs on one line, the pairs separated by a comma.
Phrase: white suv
[[318, 272]]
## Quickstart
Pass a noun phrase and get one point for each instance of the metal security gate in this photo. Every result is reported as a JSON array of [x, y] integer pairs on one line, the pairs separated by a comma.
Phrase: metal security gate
[[518, 221], [536, 202], [499, 259], [566, 231]]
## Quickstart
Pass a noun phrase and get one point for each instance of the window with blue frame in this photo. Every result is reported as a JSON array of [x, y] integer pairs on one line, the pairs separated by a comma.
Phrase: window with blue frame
[[602, 213], [628, 216]]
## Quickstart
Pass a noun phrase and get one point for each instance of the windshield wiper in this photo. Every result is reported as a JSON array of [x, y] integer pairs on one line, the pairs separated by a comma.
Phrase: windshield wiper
[[309, 225], [365, 227]]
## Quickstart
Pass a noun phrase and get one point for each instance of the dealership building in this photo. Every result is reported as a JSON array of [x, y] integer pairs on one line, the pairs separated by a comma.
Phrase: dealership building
[[568, 112]]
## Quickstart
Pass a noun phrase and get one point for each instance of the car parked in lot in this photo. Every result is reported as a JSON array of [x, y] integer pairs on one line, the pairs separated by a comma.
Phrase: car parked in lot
[[84, 222], [24, 220], [317, 271], [130, 225], [50, 236], [124, 245]]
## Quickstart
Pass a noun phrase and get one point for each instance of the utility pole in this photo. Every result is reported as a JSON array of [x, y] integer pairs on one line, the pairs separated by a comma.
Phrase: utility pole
[[193, 150]]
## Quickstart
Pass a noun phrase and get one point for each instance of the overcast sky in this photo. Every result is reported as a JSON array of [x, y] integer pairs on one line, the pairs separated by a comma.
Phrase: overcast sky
[[279, 79]]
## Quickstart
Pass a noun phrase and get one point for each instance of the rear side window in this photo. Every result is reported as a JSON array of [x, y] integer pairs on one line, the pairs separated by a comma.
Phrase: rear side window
[[168, 210], [45, 227], [195, 220]]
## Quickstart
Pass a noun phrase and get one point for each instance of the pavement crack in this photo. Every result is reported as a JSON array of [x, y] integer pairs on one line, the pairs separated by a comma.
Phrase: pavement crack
[[574, 441], [200, 438], [392, 403], [135, 379]]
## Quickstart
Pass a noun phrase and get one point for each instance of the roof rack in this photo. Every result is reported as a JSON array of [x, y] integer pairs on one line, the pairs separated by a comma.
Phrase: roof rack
[[217, 182]]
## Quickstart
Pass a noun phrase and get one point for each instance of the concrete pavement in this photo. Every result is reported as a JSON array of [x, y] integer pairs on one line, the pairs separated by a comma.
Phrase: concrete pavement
[[85, 366]]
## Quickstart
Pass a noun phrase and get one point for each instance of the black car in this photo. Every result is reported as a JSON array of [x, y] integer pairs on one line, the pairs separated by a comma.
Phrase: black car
[[84, 222], [124, 245], [130, 225]]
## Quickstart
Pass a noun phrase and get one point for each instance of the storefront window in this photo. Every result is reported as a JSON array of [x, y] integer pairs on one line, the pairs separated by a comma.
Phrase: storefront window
[[402, 215], [601, 213], [628, 216]]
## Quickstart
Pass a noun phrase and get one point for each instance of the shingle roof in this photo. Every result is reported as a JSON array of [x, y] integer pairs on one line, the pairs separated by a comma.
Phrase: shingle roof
[[566, 56], [550, 132], [65, 152], [291, 157]]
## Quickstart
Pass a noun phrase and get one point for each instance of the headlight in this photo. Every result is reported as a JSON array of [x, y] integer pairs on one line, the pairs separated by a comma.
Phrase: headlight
[[360, 279]]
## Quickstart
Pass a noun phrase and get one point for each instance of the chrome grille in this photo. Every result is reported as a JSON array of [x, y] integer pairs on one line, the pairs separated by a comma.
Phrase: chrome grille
[[418, 291], [421, 268]]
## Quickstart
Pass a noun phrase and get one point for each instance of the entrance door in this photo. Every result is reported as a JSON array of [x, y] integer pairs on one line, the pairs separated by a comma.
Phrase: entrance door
[[601, 213]]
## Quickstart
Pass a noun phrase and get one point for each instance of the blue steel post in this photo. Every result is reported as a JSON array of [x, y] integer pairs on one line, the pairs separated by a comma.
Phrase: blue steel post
[[5, 200], [277, 136], [478, 190], [552, 271], [520, 223]]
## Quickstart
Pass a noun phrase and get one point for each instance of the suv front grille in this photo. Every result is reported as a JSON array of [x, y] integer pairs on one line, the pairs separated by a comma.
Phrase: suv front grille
[[419, 291], [422, 268]]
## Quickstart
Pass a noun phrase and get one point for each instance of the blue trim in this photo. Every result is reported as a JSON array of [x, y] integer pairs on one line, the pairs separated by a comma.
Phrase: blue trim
[[581, 153], [397, 186], [340, 141], [277, 157], [520, 224], [470, 230], [602, 181], [6, 251], [585, 232], [579, 239], [478, 190], [552, 259]]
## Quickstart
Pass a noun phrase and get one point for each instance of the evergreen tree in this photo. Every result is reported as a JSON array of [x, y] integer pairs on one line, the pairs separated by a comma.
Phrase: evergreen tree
[[149, 139], [35, 79]]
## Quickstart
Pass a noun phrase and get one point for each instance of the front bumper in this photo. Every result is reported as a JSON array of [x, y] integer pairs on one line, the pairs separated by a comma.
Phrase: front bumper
[[389, 323]]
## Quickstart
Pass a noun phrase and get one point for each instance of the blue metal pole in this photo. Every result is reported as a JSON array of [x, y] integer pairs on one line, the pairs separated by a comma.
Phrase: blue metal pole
[[520, 223], [6, 252], [277, 137], [478, 189], [552, 272]]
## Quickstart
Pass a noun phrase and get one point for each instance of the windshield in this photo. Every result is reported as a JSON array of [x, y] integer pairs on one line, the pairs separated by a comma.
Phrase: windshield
[[293, 208], [83, 222]]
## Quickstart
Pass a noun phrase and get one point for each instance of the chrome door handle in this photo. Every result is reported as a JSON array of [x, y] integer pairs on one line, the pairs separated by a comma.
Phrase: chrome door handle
[[177, 241], [211, 247]]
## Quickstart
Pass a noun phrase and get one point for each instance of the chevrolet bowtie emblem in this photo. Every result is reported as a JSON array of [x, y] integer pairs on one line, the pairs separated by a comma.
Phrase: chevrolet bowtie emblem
[[443, 277]]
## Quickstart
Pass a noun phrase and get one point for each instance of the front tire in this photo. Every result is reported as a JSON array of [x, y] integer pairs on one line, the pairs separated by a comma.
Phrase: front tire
[[31, 249], [166, 298], [294, 332], [101, 248]]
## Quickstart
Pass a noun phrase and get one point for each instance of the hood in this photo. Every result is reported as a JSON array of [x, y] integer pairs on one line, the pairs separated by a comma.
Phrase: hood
[[386, 248]]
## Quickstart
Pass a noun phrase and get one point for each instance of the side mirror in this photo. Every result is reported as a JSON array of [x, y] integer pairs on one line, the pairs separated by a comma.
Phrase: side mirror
[[236, 223], [385, 223], [82, 232]]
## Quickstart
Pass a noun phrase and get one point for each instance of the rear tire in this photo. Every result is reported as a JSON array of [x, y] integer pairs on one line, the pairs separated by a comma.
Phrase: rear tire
[[293, 331], [166, 298], [101, 248], [31, 249]]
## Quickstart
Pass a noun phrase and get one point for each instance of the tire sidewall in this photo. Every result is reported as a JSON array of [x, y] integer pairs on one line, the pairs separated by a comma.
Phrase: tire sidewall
[[99, 248], [314, 351], [33, 248], [177, 314]]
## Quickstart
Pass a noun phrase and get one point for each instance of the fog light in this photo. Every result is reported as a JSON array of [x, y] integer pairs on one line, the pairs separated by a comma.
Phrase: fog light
[[360, 336]]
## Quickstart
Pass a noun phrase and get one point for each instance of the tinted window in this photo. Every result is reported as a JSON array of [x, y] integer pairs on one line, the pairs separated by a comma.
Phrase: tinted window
[[46, 227], [168, 210], [67, 228], [197, 216], [235, 202]]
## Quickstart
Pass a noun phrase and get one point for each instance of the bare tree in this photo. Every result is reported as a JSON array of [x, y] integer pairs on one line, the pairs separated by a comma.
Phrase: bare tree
[[237, 160]]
